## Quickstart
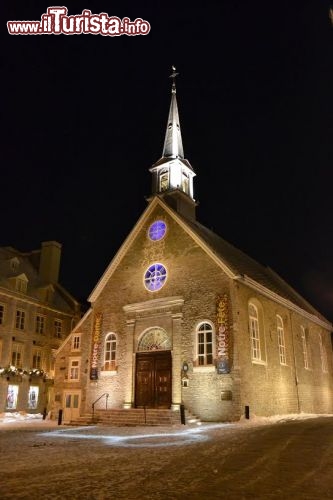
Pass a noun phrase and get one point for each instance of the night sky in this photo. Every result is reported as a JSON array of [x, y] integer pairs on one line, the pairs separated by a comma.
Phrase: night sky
[[84, 119]]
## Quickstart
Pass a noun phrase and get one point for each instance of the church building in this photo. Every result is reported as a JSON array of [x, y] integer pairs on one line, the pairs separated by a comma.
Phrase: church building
[[182, 318]]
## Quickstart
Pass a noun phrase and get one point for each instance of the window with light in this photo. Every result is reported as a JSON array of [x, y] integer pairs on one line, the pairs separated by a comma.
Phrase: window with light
[[74, 369], [157, 230], [76, 343], [281, 340], [306, 350], [164, 181], [110, 352], [254, 332], [155, 277], [33, 397], [204, 336]]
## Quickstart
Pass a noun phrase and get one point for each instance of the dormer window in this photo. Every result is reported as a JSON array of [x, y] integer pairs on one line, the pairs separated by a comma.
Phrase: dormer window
[[14, 264], [21, 283]]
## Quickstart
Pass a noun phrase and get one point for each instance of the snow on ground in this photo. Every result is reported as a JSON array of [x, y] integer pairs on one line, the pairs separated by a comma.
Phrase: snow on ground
[[31, 419], [281, 457]]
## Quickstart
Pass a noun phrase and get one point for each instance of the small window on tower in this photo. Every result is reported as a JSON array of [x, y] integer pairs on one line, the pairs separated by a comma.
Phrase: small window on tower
[[164, 181], [185, 183]]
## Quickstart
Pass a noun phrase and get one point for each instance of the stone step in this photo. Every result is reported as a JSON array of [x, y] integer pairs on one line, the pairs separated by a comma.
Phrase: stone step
[[134, 417]]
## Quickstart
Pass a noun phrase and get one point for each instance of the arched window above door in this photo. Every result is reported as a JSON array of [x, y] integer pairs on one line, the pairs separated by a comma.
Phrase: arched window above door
[[155, 339]]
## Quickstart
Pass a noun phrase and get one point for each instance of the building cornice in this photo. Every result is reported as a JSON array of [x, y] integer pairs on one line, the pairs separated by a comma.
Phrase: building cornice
[[29, 300], [151, 305]]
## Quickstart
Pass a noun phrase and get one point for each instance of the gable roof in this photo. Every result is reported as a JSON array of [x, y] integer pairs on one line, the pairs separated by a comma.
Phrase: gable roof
[[249, 270], [235, 263]]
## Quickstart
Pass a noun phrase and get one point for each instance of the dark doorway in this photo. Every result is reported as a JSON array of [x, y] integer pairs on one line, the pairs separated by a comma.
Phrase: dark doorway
[[153, 379]]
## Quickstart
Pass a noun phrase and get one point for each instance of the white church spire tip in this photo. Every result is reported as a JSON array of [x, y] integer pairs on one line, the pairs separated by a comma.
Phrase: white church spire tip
[[173, 76], [173, 144]]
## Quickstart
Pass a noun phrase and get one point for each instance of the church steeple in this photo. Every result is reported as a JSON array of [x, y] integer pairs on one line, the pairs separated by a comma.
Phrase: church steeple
[[172, 173], [173, 144]]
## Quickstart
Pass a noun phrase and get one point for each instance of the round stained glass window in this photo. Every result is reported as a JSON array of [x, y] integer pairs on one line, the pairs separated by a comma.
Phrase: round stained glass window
[[157, 230], [155, 277]]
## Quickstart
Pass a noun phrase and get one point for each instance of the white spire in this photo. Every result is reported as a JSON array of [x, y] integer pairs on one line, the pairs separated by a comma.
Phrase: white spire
[[173, 144], [172, 174]]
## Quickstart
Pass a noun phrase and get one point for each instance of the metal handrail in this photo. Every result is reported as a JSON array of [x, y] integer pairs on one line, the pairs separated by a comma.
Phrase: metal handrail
[[106, 403]]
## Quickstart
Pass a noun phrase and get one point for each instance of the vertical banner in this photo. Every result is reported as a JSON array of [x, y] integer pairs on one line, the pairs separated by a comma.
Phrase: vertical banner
[[96, 340], [223, 335]]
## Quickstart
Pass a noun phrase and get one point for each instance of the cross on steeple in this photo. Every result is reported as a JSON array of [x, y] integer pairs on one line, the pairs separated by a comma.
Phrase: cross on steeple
[[173, 76]]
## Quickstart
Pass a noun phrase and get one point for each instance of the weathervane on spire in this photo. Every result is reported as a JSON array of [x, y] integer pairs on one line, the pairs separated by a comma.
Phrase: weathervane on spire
[[173, 76]]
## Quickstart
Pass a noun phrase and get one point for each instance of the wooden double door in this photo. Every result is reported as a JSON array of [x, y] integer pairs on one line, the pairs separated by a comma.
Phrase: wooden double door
[[153, 379]]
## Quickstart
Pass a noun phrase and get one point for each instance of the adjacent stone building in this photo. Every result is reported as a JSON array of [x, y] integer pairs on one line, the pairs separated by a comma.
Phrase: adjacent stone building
[[36, 315], [182, 317]]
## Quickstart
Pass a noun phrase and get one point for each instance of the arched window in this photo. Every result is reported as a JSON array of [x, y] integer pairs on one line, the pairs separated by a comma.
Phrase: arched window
[[281, 340], [204, 341], [254, 332], [323, 354], [306, 348], [155, 339], [110, 352]]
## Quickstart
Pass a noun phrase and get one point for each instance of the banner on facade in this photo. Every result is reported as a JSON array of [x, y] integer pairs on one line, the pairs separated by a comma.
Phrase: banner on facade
[[223, 336], [95, 345]]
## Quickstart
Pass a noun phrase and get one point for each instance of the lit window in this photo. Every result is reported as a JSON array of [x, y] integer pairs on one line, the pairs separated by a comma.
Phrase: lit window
[[254, 332], [305, 346], [17, 355], [2, 314], [155, 339], [204, 335], [323, 355], [33, 397], [37, 359], [157, 230], [20, 320], [155, 277], [185, 183], [76, 343], [74, 369], [12, 394], [40, 324], [281, 340], [57, 328], [110, 352], [164, 181]]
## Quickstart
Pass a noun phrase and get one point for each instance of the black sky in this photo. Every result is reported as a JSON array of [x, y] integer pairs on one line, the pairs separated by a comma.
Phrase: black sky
[[84, 118]]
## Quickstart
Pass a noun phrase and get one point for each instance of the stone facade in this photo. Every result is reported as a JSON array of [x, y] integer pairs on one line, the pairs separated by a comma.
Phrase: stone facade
[[195, 280], [181, 317]]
